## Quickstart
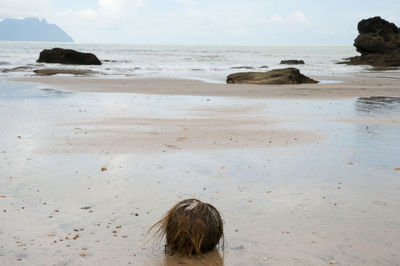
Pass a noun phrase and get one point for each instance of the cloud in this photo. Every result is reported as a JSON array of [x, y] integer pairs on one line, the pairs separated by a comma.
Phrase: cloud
[[88, 14], [119, 6], [104, 23], [298, 16], [186, 2], [111, 11], [112, 5], [293, 18], [140, 3], [276, 19], [24, 8], [394, 19]]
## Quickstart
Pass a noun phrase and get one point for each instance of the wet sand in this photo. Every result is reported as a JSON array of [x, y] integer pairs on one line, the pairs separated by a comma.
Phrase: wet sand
[[299, 180], [332, 87]]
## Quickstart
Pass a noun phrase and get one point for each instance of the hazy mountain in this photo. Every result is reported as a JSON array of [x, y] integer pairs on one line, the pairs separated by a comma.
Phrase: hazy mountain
[[31, 29]]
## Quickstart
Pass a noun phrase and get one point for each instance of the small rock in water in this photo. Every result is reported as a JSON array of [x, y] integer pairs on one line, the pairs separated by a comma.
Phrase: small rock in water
[[292, 62]]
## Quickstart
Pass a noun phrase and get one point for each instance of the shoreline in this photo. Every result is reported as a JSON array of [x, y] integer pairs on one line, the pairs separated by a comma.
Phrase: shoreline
[[354, 85]]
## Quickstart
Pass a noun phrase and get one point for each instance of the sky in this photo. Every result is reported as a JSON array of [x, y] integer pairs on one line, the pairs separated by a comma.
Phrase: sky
[[218, 22]]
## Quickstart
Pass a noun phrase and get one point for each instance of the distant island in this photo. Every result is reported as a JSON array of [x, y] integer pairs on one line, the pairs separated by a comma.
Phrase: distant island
[[31, 29]]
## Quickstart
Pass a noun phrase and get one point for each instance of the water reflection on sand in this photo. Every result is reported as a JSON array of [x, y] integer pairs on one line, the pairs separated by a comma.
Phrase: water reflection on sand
[[334, 198], [378, 105]]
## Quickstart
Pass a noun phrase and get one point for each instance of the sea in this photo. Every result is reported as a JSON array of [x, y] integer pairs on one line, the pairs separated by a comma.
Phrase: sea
[[200, 62]]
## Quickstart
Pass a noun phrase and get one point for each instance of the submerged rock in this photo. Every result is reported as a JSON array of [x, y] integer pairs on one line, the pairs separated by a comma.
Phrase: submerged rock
[[289, 75], [242, 67], [67, 56], [292, 62], [16, 69], [51, 71], [378, 42]]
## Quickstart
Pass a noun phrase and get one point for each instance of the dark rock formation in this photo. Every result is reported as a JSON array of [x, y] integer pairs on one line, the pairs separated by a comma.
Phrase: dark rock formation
[[67, 56], [52, 71], [277, 76], [292, 62], [378, 43]]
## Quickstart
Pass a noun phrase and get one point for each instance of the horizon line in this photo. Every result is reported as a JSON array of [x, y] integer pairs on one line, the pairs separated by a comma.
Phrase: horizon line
[[181, 44]]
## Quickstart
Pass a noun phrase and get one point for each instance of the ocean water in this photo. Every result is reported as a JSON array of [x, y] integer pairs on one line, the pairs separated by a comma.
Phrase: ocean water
[[208, 63]]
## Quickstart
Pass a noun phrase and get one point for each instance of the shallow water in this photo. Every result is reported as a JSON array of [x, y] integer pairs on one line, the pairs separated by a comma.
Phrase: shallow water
[[207, 63], [334, 199]]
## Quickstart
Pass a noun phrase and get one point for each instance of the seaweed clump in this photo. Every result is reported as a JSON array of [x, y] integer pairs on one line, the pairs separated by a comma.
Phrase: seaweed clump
[[191, 227]]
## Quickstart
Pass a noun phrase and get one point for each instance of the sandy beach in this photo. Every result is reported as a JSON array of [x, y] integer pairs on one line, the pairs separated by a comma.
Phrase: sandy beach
[[302, 174], [363, 84]]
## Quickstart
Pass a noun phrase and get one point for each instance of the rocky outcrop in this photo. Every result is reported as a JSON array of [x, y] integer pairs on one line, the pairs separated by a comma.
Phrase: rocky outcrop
[[52, 71], [67, 56], [378, 43], [277, 76], [292, 62]]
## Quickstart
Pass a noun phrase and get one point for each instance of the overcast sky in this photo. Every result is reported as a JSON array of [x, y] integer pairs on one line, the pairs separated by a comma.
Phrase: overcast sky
[[206, 21]]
